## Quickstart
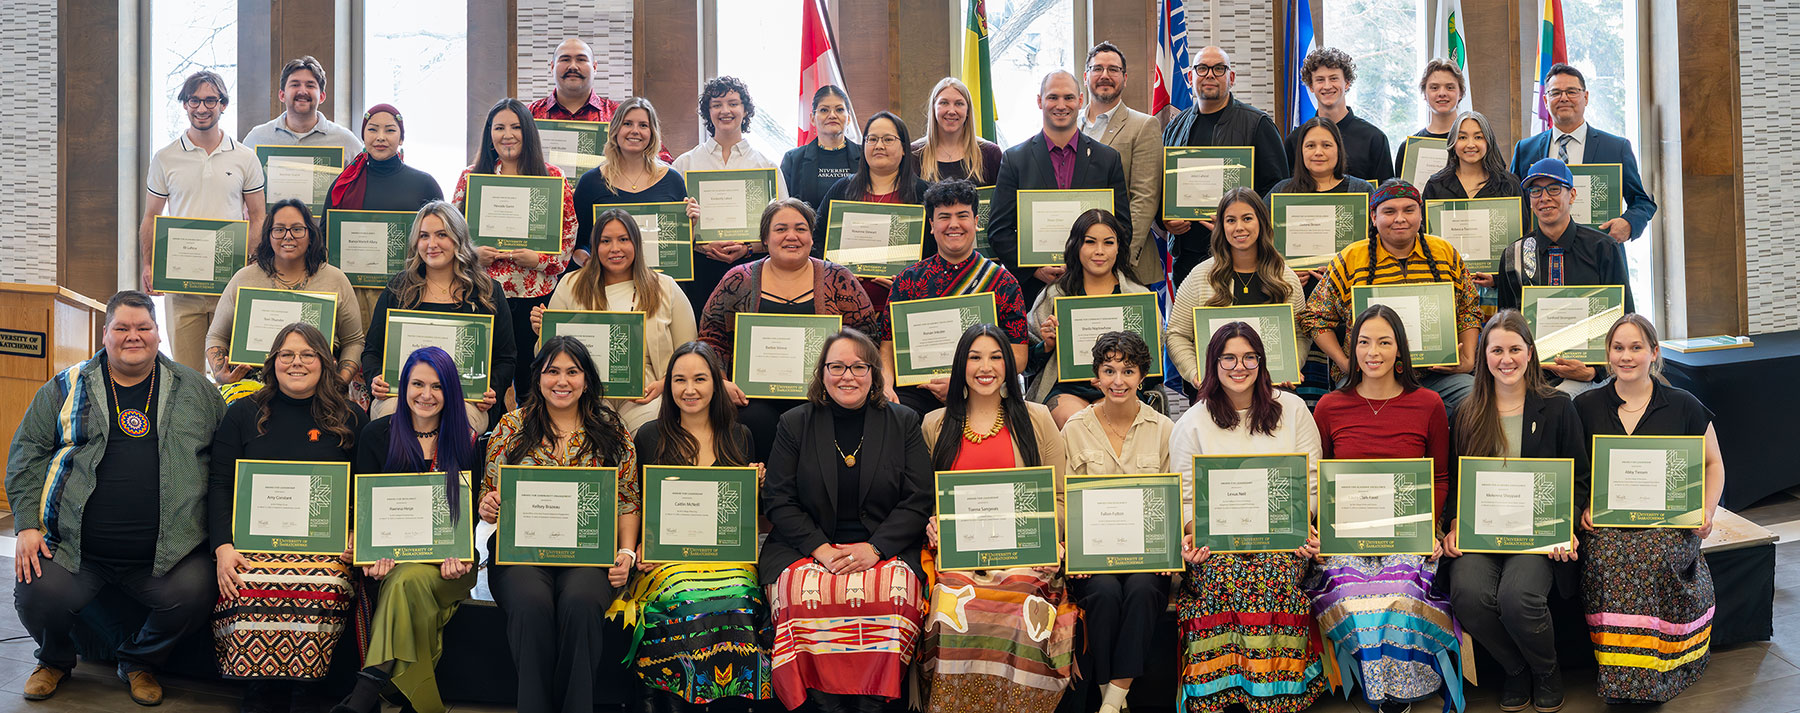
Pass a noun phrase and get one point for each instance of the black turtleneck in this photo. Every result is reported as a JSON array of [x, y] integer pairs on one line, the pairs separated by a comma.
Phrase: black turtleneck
[[847, 428], [290, 434], [393, 185]]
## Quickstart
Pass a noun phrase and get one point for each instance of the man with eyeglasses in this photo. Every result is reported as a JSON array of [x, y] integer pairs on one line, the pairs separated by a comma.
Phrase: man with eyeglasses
[[301, 123], [202, 174], [1328, 73], [1220, 119], [1138, 139], [1571, 140]]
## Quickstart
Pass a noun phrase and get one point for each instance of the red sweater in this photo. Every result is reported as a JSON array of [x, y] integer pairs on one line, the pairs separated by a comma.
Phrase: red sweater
[[1412, 425]]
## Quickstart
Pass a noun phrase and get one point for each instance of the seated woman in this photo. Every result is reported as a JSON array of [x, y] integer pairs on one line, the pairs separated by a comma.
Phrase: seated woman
[[427, 434], [1245, 269], [1090, 267], [279, 616], [848, 496], [1246, 624], [995, 637], [553, 614]]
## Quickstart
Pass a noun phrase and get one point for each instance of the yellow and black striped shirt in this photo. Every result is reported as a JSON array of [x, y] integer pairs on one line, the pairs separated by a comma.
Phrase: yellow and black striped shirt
[[1329, 307]]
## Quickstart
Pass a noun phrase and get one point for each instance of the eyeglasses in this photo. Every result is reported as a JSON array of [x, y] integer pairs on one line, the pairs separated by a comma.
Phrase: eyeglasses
[[1250, 362], [837, 368], [208, 102], [1553, 191], [1211, 70], [1560, 93], [292, 231], [882, 140], [1106, 69], [287, 357]]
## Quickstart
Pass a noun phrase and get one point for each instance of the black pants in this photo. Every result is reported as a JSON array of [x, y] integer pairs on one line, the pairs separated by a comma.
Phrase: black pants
[[762, 417], [180, 601], [1502, 600], [1118, 612], [553, 622], [525, 340]]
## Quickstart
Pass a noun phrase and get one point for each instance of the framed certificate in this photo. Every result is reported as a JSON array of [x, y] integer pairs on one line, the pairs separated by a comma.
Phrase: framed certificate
[[1422, 158], [1480, 228], [1081, 320], [1274, 324], [1571, 322], [1376, 507], [875, 239], [258, 314], [1312, 228], [467, 337], [291, 507], [368, 245], [302, 172], [1045, 218], [1196, 177], [1512, 505], [1599, 193], [1124, 523], [574, 147], [557, 517], [731, 203], [667, 237], [699, 515], [196, 256], [1251, 503], [997, 519], [515, 212], [926, 332], [1426, 309], [615, 340], [405, 517], [1649, 481], [985, 194], [774, 355]]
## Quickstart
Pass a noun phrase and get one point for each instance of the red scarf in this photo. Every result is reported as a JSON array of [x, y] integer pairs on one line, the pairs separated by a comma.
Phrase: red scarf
[[352, 183]]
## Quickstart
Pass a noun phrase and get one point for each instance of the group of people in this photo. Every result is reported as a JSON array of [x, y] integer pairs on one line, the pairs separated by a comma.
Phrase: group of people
[[846, 472]]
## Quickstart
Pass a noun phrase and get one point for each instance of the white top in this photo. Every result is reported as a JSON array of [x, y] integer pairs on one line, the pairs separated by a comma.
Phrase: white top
[[672, 325], [1196, 434], [1577, 142], [1097, 128], [710, 156], [1195, 292], [198, 184], [324, 133]]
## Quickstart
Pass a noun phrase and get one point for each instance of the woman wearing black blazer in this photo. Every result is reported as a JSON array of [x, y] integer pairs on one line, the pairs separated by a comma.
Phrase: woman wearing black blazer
[[847, 498], [1503, 600]]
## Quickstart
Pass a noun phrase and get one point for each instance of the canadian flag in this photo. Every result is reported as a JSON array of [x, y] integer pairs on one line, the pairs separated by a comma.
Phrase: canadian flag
[[819, 67]]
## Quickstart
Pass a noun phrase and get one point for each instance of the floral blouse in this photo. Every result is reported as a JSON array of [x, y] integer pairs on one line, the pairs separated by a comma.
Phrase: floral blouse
[[535, 280], [631, 490]]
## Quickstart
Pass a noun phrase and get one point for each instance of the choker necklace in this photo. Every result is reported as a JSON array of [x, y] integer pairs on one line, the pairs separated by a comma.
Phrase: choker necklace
[[133, 422], [426, 434], [973, 437]]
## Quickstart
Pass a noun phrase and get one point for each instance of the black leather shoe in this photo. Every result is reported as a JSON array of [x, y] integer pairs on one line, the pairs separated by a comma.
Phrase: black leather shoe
[[1515, 692], [1547, 691]]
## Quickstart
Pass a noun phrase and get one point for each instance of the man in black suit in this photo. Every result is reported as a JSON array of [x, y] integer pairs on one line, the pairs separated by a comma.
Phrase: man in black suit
[[1059, 157]]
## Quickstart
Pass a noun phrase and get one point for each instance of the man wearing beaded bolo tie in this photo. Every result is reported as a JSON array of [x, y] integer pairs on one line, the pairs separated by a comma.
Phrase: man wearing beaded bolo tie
[[107, 479]]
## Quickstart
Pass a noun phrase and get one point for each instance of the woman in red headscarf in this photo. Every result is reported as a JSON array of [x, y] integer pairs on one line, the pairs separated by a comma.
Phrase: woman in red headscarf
[[379, 179]]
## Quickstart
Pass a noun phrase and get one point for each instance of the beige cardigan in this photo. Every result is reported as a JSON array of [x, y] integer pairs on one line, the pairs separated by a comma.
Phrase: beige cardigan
[[349, 330], [1196, 291], [1050, 444]]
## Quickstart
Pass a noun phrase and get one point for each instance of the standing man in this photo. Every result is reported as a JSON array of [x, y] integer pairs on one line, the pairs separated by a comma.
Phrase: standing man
[[107, 480], [203, 174], [575, 98], [301, 123], [1057, 158], [1138, 139], [1443, 86], [1571, 141], [1328, 73]]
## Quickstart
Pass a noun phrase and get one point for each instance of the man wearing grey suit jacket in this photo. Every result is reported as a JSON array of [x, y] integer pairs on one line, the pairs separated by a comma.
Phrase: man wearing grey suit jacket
[[1138, 139]]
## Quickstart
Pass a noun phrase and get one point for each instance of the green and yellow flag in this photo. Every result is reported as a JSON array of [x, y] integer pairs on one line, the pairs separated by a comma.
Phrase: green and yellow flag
[[975, 71]]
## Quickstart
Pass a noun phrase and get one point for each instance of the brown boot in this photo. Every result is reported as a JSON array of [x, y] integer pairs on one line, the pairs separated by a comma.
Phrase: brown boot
[[43, 682], [145, 691]]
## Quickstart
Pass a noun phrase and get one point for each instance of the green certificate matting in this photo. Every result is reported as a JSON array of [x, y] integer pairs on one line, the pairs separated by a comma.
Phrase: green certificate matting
[[668, 238], [986, 195], [1196, 177], [1648, 481], [731, 203], [1312, 228], [1274, 324], [368, 245], [1479, 228], [1428, 311], [467, 337], [405, 517], [1046, 217], [774, 355], [1124, 523], [997, 519], [1422, 157], [1513, 505], [557, 517], [699, 515], [875, 239], [1599, 193], [1376, 507], [259, 313], [615, 341], [515, 212], [196, 256], [1251, 503], [926, 332], [1571, 322], [1081, 320], [573, 146], [291, 507], [303, 172]]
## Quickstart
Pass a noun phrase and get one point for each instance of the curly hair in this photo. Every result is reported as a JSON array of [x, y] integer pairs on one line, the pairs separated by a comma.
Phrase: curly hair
[[717, 88], [1125, 346], [1329, 58]]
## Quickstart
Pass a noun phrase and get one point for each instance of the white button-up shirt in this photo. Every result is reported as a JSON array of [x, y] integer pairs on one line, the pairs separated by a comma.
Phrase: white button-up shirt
[[710, 156], [1577, 143], [1097, 128]]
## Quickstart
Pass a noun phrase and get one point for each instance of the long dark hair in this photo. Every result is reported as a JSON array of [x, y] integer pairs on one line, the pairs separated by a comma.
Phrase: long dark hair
[[315, 241], [1403, 368], [678, 447], [906, 184], [1271, 269], [1072, 281], [1478, 428], [956, 402], [1303, 179], [1375, 236], [598, 421], [456, 438], [1265, 411], [330, 407], [531, 148]]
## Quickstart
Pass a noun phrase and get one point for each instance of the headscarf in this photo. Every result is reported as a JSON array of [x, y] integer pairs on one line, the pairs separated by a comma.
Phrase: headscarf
[[351, 183], [1392, 189]]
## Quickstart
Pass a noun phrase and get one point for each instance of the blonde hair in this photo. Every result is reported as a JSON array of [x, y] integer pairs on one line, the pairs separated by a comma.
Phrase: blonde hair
[[612, 157], [971, 145], [590, 283], [468, 281]]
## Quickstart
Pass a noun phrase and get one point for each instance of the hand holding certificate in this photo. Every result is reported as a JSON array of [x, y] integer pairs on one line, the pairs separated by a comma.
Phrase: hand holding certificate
[[700, 515], [1119, 524], [666, 239], [406, 517], [1480, 228], [1571, 322], [1045, 218], [1311, 228], [731, 202], [1196, 177], [1427, 310], [303, 173], [368, 245], [773, 355], [258, 314], [1599, 193], [196, 255], [996, 519], [515, 212], [290, 507], [554, 516], [573, 146], [1649, 481], [615, 341], [1509, 505], [1422, 158], [874, 239], [1251, 503], [1273, 324], [1376, 507], [926, 331], [466, 337], [1081, 320]]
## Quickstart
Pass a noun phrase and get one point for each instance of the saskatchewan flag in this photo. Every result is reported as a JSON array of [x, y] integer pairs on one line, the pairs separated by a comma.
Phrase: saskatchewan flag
[[975, 71], [1449, 40]]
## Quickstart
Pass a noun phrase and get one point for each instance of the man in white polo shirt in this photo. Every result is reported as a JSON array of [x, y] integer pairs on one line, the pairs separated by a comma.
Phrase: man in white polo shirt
[[302, 124], [203, 174]]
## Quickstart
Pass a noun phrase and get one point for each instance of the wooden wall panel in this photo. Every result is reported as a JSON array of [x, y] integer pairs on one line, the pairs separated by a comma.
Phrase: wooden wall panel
[[925, 47], [1130, 24], [91, 188], [1705, 248], [492, 47], [666, 65], [1500, 59]]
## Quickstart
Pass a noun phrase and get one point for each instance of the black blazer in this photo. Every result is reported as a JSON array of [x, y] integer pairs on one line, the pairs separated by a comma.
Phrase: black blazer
[[800, 494], [1027, 167]]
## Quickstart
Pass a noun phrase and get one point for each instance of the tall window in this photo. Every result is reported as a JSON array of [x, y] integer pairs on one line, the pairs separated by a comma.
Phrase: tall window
[[186, 37], [1387, 40], [1026, 40], [415, 57], [1602, 38], [759, 43]]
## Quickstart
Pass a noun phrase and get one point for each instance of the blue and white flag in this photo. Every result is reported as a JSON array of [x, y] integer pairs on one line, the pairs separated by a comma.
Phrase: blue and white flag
[[1300, 42], [1173, 84]]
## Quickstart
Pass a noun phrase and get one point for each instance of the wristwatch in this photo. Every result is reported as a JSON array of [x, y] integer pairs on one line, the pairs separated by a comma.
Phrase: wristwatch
[[877, 550]]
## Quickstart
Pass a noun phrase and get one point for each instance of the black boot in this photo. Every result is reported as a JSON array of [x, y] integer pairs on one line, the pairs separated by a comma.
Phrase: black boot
[[303, 698], [262, 697], [1547, 691], [1515, 693], [366, 696]]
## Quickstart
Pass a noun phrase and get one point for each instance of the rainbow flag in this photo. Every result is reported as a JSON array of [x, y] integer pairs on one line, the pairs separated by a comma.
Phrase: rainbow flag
[[1552, 50], [975, 72]]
